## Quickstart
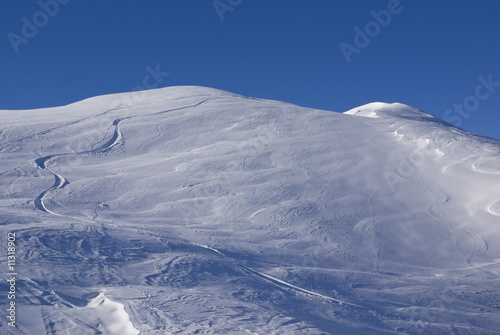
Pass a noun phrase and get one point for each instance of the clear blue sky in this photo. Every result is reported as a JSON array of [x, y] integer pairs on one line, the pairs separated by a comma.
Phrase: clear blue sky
[[430, 55]]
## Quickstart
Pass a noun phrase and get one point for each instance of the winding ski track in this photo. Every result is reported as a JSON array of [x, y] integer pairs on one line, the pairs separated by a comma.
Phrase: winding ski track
[[59, 181], [115, 140]]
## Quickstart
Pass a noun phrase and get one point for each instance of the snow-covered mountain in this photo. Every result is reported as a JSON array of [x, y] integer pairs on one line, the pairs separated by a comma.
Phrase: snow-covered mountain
[[189, 210]]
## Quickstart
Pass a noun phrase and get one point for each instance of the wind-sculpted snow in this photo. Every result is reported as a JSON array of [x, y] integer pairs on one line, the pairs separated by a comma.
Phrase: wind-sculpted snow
[[198, 211]]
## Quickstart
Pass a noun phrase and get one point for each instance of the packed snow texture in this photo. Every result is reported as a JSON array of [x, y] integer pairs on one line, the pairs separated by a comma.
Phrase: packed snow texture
[[189, 210]]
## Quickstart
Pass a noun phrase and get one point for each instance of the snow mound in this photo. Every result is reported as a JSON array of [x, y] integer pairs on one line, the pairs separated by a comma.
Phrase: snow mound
[[368, 110], [392, 110], [110, 316]]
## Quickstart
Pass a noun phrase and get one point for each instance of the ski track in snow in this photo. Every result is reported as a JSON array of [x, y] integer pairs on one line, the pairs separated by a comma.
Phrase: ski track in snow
[[284, 284], [60, 182], [495, 208]]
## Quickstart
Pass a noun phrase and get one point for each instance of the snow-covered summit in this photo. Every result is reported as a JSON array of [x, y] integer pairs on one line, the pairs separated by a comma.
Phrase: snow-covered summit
[[394, 110], [194, 210]]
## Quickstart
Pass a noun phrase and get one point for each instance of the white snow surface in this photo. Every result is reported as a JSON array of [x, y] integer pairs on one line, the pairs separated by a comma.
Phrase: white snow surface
[[198, 211]]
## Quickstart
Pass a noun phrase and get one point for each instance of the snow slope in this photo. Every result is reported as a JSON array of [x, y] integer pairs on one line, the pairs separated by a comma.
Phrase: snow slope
[[189, 210]]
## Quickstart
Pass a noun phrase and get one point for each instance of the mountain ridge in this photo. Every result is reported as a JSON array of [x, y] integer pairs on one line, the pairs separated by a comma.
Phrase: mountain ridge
[[199, 210]]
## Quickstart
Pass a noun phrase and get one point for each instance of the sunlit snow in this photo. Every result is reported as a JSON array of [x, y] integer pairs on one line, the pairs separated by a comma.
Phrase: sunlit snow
[[198, 211]]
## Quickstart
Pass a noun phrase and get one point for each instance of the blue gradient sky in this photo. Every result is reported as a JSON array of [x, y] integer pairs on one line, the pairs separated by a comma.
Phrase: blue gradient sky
[[430, 55]]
